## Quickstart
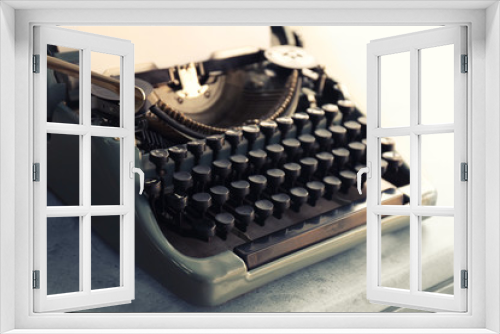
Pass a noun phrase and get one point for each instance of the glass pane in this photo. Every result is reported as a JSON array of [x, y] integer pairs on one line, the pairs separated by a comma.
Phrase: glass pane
[[395, 90], [105, 171], [437, 83], [106, 98], [437, 254], [395, 164], [395, 256], [106, 257], [63, 89], [437, 156], [63, 255], [63, 169]]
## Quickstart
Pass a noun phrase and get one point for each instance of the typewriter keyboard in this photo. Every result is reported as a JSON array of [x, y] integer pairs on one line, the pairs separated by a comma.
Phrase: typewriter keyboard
[[266, 190]]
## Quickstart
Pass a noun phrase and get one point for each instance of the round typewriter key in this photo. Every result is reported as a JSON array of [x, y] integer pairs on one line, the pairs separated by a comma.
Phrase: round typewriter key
[[215, 142], [201, 176], [325, 163], [356, 151], [292, 172], [353, 130], [224, 223], [394, 160], [341, 155], [257, 159], [240, 164], [308, 167], [178, 154], [316, 190], [307, 144], [221, 169], [263, 210], [387, 144], [153, 187], [332, 186], [245, 214], [331, 110], [201, 202], [347, 178], [281, 203], [289, 56], [220, 195], [268, 128], [196, 147], [298, 197], [250, 132], [300, 119], [291, 146], [346, 107], [362, 121], [205, 229], [284, 125], [275, 153], [233, 137], [275, 177], [324, 139], [182, 182], [239, 190], [159, 157], [339, 134], [257, 185], [176, 202], [315, 115]]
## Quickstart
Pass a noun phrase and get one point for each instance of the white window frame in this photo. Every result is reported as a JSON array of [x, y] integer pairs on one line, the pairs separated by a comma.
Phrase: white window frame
[[484, 48]]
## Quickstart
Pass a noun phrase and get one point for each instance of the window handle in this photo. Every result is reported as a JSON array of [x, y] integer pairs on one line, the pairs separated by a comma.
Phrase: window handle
[[141, 176], [362, 171]]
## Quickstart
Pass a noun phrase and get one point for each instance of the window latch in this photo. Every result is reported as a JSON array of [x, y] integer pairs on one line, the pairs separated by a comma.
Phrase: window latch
[[365, 170], [141, 176]]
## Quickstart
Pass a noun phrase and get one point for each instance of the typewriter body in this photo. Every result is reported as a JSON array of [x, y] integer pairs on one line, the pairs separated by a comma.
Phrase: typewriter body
[[250, 170]]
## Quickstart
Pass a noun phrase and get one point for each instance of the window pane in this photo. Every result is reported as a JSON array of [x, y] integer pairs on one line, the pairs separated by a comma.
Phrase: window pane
[[437, 254], [437, 83], [63, 169], [63, 255], [105, 171], [106, 263], [395, 163], [395, 257], [106, 100], [395, 90], [438, 172]]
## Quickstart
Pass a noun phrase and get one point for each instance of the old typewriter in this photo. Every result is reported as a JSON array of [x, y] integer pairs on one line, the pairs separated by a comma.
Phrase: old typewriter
[[250, 161]]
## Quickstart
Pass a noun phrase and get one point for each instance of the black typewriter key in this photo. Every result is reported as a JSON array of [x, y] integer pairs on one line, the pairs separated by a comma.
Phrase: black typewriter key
[[284, 126], [220, 195], [331, 111], [205, 229], [233, 137], [353, 130], [341, 156], [387, 144], [316, 190], [182, 181], [177, 204], [332, 186], [268, 128], [307, 144], [258, 184], [201, 177], [394, 161], [383, 167], [300, 119], [257, 159], [239, 190], [159, 157], [308, 168], [346, 107], [363, 176], [221, 170], [153, 187], [281, 203], [245, 214], [292, 172], [348, 179], [362, 121], [215, 142], [298, 197], [196, 147], [339, 134], [325, 163], [315, 116], [275, 153], [240, 164], [275, 178], [251, 133], [263, 210], [291, 146], [200, 202], [178, 154], [356, 152], [324, 139], [224, 223]]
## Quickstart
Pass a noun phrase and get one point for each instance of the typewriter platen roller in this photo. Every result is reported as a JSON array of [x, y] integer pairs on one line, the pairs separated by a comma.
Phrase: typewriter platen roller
[[250, 163]]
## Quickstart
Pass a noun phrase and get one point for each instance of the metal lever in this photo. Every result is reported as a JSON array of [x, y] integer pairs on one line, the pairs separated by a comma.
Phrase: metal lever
[[361, 172], [141, 176]]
